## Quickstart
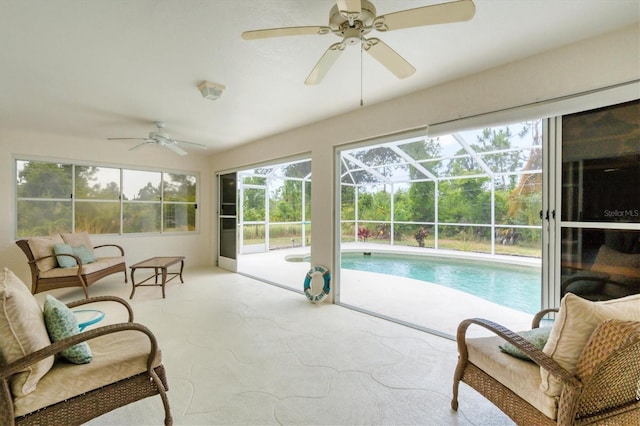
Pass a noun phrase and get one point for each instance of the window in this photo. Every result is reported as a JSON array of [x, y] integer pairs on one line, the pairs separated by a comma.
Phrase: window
[[44, 193], [54, 197], [179, 207], [97, 199], [141, 195]]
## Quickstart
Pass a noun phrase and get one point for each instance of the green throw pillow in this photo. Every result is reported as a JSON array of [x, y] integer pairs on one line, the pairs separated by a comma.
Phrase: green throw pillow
[[61, 322], [537, 337], [84, 254], [64, 261]]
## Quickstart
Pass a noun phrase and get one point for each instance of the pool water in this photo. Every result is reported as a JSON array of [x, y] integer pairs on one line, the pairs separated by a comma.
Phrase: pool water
[[517, 287]]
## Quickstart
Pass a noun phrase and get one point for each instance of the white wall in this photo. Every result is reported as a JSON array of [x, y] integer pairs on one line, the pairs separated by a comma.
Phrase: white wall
[[596, 63], [592, 64], [196, 248]]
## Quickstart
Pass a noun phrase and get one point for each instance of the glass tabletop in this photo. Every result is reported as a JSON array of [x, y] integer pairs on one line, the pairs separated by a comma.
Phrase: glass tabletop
[[87, 317]]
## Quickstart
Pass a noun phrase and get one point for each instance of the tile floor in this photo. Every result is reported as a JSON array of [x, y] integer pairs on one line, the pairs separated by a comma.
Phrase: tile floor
[[242, 352], [429, 306]]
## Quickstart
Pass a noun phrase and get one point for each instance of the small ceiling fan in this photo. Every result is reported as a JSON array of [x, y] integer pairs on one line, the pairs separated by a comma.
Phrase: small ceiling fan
[[162, 139], [353, 19]]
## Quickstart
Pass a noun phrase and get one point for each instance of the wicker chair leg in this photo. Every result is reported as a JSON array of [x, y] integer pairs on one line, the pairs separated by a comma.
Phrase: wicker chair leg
[[457, 377], [168, 419]]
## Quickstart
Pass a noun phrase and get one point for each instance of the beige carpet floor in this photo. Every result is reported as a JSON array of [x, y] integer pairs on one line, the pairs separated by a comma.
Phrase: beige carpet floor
[[241, 352]]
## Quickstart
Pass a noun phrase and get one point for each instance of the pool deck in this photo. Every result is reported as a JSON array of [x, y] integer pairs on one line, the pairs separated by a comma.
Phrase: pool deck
[[428, 306]]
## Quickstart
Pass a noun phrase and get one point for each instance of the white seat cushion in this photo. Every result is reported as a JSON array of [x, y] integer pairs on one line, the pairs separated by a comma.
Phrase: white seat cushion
[[116, 357], [522, 377]]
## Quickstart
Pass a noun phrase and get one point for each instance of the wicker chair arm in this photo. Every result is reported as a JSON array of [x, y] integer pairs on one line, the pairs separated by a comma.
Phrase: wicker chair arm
[[536, 355], [8, 370], [111, 245], [78, 261], [535, 322], [96, 299]]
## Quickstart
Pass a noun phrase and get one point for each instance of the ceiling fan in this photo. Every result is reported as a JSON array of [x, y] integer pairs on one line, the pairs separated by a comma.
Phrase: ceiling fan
[[162, 139], [353, 19]]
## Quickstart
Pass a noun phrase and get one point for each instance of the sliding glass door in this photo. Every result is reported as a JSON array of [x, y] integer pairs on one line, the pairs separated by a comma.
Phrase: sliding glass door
[[599, 226], [227, 218], [560, 193]]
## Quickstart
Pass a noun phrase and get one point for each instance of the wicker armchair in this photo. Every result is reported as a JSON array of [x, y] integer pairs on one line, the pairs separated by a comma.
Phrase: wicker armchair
[[604, 388], [126, 367]]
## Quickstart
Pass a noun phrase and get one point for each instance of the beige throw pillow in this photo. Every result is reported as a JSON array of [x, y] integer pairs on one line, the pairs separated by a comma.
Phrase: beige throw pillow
[[78, 239], [43, 246], [575, 322], [22, 331]]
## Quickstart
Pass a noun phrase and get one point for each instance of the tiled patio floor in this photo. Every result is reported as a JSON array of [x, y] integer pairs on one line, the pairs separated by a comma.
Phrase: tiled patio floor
[[427, 306]]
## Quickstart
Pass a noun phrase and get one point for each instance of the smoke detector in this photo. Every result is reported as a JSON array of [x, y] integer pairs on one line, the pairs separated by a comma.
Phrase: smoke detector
[[210, 90]]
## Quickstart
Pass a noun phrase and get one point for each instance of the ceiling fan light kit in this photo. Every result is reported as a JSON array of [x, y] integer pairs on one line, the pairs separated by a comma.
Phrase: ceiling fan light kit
[[211, 90], [353, 19]]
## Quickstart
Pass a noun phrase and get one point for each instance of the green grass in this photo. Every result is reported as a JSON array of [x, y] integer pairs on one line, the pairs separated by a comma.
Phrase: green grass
[[446, 244]]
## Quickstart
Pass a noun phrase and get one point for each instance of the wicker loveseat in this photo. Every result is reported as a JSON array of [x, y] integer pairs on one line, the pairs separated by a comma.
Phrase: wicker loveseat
[[47, 274], [588, 372], [38, 386]]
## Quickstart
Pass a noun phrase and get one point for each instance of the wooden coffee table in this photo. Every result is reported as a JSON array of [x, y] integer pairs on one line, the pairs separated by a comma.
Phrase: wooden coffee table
[[159, 265]]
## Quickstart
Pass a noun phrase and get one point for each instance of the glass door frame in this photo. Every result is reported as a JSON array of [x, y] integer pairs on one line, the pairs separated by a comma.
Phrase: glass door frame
[[551, 112], [227, 210], [552, 178]]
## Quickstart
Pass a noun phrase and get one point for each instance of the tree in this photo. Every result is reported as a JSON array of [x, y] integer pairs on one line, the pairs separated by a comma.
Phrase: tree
[[44, 180], [50, 184], [525, 200], [422, 194], [253, 205], [179, 187], [499, 157], [348, 199], [286, 202]]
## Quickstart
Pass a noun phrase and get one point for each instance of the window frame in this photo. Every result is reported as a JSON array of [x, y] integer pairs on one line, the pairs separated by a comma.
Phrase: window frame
[[121, 202]]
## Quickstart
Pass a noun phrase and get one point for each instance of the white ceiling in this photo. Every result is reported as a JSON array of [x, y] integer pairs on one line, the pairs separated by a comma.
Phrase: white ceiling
[[97, 69]]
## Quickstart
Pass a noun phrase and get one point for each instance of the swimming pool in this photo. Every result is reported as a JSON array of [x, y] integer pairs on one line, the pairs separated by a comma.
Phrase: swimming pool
[[517, 287]]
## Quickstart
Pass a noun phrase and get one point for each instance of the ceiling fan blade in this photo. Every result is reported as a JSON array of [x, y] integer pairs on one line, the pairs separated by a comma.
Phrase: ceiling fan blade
[[388, 57], [324, 64], [193, 144], [349, 9], [129, 139], [443, 13], [175, 148], [286, 31], [140, 145]]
